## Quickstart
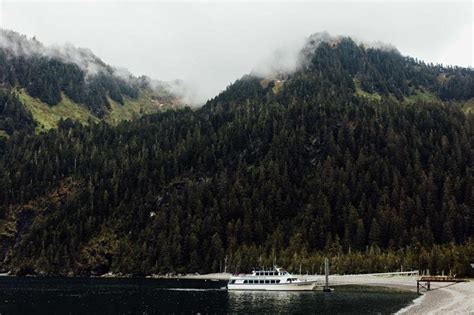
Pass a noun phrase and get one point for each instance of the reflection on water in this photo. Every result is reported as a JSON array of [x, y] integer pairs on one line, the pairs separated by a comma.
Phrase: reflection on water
[[269, 301], [343, 300], [148, 296]]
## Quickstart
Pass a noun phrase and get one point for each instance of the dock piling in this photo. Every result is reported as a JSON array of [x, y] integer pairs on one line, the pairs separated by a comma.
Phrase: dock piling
[[326, 271]]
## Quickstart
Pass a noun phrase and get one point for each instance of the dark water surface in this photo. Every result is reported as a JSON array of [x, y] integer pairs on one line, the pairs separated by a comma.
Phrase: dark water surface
[[149, 296]]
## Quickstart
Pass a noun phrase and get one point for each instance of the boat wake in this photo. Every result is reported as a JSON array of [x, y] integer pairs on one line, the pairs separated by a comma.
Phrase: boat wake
[[192, 289]]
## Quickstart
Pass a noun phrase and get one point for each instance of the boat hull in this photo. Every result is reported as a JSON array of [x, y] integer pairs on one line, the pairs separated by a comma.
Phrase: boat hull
[[305, 286]]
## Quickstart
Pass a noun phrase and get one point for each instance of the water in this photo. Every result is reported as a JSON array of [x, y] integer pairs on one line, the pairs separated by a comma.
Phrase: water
[[149, 296]]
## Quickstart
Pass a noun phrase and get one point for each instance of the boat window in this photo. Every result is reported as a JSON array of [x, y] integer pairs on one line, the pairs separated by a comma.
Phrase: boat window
[[267, 281], [278, 281], [245, 281], [260, 281], [232, 281], [272, 281]]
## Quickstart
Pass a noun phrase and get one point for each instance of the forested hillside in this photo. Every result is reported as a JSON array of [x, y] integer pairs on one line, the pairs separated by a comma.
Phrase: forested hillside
[[68, 82], [362, 155]]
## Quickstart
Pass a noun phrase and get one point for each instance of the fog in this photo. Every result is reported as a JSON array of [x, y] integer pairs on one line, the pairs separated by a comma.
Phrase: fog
[[208, 45]]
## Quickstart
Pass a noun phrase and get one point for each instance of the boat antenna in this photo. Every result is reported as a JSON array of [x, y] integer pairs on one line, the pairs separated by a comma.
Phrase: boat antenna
[[274, 257]]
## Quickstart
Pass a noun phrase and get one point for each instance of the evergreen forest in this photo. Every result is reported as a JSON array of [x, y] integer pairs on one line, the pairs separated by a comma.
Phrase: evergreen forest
[[361, 155]]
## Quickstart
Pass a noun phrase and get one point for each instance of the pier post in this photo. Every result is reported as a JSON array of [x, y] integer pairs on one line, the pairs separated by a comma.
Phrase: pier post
[[326, 271]]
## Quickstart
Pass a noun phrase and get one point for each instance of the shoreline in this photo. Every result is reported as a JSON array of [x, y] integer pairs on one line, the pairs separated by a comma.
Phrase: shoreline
[[441, 299]]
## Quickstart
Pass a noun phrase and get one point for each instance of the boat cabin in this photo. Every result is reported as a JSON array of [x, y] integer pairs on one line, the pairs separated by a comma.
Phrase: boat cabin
[[266, 273]]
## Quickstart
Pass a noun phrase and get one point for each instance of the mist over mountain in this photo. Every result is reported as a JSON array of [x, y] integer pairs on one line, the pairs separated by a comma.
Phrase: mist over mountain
[[61, 82], [375, 68], [19, 45]]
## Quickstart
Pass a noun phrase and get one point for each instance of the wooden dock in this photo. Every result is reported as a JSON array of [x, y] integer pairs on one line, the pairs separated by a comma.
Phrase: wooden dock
[[428, 279]]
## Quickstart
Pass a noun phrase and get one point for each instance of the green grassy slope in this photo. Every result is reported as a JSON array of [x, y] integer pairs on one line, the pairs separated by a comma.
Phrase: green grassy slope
[[49, 116], [419, 95], [361, 93], [133, 108], [422, 96]]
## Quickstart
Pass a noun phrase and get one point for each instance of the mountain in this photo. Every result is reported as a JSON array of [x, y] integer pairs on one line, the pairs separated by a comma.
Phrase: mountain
[[359, 154], [45, 84]]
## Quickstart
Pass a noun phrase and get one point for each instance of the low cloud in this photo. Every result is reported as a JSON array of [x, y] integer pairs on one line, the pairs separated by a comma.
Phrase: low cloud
[[208, 45], [21, 45]]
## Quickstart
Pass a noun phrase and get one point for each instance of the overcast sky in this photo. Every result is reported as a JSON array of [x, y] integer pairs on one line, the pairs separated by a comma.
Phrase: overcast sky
[[210, 44]]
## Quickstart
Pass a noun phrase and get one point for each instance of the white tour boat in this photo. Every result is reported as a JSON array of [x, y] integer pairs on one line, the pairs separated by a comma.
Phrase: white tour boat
[[275, 279]]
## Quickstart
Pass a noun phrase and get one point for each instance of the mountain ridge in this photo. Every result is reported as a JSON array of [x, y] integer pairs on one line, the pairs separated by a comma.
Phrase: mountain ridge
[[48, 74]]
